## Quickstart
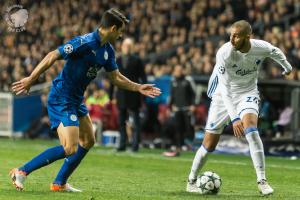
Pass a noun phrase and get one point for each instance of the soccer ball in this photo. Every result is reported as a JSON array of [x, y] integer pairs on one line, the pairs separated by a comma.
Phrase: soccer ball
[[209, 183]]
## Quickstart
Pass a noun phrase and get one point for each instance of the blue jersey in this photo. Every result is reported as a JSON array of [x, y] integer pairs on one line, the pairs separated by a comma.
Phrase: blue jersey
[[84, 57]]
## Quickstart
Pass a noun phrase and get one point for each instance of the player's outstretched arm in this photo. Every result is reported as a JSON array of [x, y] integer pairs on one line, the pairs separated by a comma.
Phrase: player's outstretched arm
[[121, 81], [276, 54], [23, 86]]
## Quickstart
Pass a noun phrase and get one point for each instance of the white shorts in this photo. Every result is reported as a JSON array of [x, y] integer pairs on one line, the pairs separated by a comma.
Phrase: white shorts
[[218, 116]]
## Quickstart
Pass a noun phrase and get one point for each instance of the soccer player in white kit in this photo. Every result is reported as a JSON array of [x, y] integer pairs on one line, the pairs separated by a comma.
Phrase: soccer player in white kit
[[235, 97]]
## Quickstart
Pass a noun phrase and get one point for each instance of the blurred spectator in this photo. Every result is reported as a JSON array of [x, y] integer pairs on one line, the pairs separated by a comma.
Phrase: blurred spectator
[[96, 101], [129, 103], [285, 119], [182, 103], [99, 97], [41, 128], [167, 33], [157, 27]]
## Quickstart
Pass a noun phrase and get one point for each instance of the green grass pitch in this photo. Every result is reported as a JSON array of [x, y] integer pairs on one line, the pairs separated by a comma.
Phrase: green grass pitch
[[104, 174]]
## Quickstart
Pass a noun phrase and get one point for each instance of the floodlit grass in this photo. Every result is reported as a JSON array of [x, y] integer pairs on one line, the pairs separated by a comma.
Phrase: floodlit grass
[[104, 174]]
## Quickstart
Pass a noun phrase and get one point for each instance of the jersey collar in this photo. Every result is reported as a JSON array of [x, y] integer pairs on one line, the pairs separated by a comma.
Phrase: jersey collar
[[97, 36]]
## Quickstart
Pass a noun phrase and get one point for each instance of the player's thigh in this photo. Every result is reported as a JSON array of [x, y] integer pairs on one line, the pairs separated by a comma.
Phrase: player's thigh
[[86, 133], [63, 118], [69, 138], [218, 116], [60, 110], [248, 108]]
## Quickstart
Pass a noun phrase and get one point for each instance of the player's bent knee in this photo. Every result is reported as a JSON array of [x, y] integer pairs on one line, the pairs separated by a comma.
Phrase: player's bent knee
[[249, 120], [210, 141], [209, 147], [70, 150], [89, 143]]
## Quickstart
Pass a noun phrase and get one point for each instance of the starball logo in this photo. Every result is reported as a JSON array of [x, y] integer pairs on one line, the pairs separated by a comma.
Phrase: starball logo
[[16, 17]]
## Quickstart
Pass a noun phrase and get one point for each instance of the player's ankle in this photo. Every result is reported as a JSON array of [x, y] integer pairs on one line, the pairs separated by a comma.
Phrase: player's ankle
[[263, 180]]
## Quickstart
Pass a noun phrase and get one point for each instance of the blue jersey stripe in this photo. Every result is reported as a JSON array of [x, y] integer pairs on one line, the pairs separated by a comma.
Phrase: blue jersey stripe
[[213, 87]]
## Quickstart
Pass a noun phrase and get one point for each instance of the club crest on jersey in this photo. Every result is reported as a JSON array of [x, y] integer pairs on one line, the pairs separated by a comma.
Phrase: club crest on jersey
[[221, 70], [105, 55], [68, 48], [73, 118]]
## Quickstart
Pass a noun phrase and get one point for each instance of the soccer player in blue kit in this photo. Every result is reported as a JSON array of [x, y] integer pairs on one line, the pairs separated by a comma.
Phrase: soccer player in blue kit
[[84, 55]]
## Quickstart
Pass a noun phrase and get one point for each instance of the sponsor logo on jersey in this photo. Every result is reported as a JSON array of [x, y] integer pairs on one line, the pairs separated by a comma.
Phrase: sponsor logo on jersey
[[92, 72], [234, 66], [243, 72]]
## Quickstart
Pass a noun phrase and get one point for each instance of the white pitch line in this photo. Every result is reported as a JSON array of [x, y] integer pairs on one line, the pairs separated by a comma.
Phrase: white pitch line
[[160, 157]]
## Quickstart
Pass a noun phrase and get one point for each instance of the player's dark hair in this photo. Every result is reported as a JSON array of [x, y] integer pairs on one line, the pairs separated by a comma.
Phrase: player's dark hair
[[113, 17]]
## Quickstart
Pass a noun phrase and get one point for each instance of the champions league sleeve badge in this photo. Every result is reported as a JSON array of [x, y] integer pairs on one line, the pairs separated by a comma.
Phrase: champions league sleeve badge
[[68, 48], [221, 70]]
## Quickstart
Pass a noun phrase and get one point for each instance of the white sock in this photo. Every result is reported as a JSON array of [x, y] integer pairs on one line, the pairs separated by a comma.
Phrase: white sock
[[257, 153], [199, 161]]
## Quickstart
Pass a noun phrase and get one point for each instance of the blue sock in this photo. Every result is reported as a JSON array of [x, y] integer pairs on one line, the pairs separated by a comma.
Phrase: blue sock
[[45, 158], [70, 165]]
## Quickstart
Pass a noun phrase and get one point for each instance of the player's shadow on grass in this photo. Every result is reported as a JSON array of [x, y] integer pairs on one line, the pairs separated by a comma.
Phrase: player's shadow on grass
[[24, 192], [35, 192]]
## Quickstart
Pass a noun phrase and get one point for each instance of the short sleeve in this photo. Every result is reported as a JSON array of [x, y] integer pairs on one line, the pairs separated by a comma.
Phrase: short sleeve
[[70, 48], [111, 64]]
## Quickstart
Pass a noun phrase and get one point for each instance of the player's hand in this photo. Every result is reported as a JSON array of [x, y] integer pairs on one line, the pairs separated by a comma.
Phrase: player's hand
[[238, 128], [149, 90], [192, 108], [22, 86], [174, 108]]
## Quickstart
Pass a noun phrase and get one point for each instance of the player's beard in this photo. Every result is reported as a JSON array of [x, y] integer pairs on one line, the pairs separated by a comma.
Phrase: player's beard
[[241, 46]]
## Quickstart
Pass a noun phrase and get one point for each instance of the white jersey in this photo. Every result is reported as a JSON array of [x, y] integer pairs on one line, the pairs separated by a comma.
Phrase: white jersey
[[236, 73]]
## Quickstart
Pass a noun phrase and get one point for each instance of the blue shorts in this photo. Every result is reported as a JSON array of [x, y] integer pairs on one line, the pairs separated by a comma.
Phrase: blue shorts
[[62, 110]]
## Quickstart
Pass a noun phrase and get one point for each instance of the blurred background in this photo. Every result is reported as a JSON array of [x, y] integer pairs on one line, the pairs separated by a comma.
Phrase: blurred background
[[175, 42]]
